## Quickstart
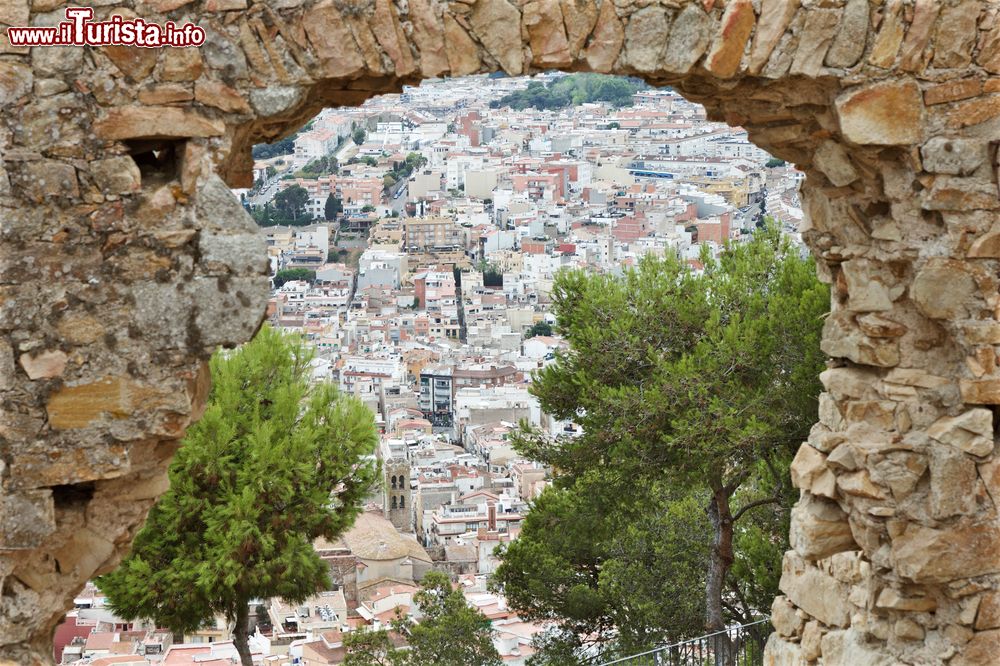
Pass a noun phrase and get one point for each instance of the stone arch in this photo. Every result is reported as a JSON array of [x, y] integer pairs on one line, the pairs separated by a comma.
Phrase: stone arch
[[118, 281]]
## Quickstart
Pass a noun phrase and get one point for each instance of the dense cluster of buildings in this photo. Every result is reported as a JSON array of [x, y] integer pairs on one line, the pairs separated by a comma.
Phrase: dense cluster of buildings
[[437, 315]]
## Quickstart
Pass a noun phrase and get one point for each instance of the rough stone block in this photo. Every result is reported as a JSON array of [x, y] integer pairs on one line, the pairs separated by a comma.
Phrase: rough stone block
[[929, 555], [28, 518], [155, 122], [819, 528], [814, 591], [723, 59], [883, 114]]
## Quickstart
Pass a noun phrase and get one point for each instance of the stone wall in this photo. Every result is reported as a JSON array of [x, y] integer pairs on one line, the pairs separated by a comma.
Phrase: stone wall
[[124, 262]]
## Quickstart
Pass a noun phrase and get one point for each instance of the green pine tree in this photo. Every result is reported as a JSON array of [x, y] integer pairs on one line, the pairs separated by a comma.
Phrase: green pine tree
[[275, 463], [687, 386], [450, 633]]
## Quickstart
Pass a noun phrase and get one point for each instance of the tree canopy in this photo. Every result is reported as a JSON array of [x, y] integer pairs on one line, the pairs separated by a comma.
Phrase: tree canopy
[[289, 274], [333, 207], [572, 90], [691, 389], [263, 151], [291, 202], [274, 463], [450, 633], [538, 328]]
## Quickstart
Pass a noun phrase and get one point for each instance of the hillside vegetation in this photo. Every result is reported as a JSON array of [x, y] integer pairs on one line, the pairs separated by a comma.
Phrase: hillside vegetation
[[572, 90]]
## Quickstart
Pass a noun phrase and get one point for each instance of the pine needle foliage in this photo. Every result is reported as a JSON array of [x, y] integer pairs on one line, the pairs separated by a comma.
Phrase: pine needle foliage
[[274, 464]]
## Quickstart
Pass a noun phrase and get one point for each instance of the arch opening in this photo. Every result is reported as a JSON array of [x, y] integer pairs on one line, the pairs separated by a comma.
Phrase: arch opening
[[889, 109]]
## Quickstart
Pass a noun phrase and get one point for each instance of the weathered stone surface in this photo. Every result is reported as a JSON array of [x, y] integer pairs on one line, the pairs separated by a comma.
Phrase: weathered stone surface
[[462, 53], [956, 34], [549, 45], [781, 652], [860, 484], [989, 49], [810, 642], [814, 41], [806, 466], [987, 246], [831, 158], [15, 81], [884, 114], [737, 24], [775, 17], [971, 431], [928, 555], [956, 157], [982, 649], [689, 37], [876, 326], [785, 618], [427, 34], [919, 33], [951, 470], [14, 12], [980, 391], [44, 365], [952, 91], [166, 93], [895, 600], [116, 175], [83, 404], [870, 287], [134, 62], [974, 112], [331, 38], [890, 35], [951, 193], [29, 517], [497, 25], [820, 528], [843, 338], [988, 613], [579, 18], [814, 591], [944, 290], [155, 122], [181, 65], [221, 96], [606, 42], [224, 5], [849, 44], [849, 647], [46, 180], [644, 38]]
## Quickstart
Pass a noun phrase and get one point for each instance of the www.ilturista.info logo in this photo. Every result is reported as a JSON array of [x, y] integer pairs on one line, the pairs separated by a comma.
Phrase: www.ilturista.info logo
[[80, 30]]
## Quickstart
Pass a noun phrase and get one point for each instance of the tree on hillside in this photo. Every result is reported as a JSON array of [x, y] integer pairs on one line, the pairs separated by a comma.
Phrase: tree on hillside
[[698, 383], [290, 204], [538, 328], [332, 208], [450, 633], [358, 136], [289, 274], [274, 464], [618, 572], [263, 151]]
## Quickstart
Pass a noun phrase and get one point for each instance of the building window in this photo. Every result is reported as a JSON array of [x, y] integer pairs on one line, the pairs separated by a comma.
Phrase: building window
[[402, 502], [393, 502], [394, 482]]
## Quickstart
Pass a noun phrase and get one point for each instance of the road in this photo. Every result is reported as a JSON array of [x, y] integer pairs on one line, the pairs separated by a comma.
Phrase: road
[[397, 200], [267, 192]]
